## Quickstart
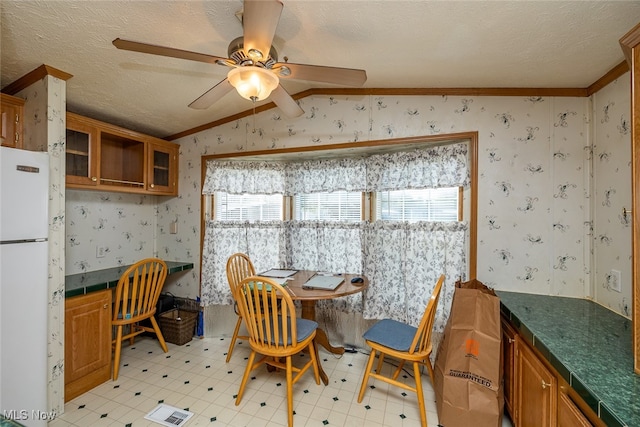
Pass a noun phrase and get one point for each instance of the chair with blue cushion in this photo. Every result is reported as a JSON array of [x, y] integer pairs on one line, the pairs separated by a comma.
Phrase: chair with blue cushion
[[405, 343], [239, 266], [275, 333], [135, 299]]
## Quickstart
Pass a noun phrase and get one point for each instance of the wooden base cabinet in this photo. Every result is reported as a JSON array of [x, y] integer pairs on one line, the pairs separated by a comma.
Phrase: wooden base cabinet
[[11, 121], [535, 394], [509, 345], [87, 353], [569, 415], [536, 391]]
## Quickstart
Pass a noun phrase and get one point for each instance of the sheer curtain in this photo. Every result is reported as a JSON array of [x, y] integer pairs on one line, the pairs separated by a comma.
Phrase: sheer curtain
[[263, 242], [402, 260]]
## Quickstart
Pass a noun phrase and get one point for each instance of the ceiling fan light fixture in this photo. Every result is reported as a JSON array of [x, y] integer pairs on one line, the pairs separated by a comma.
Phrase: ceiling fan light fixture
[[253, 83]]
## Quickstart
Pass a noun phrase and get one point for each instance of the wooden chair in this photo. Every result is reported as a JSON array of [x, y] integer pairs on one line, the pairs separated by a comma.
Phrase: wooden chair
[[239, 266], [136, 297], [275, 333], [405, 343]]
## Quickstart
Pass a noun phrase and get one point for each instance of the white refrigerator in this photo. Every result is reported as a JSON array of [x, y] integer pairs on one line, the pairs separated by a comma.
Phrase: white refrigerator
[[24, 201]]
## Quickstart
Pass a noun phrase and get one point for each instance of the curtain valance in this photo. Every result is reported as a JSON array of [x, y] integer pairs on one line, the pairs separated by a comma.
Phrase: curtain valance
[[434, 167], [244, 177]]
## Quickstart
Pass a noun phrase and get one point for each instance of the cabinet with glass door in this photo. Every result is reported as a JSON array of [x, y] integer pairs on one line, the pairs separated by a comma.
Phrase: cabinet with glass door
[[105, 157]]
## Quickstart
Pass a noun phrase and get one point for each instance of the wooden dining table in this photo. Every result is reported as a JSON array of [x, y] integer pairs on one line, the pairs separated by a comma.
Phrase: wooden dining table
[[309, 297]]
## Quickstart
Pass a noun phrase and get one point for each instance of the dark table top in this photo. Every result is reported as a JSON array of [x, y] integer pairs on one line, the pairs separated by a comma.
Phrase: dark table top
[[91, 281], [589, 345]]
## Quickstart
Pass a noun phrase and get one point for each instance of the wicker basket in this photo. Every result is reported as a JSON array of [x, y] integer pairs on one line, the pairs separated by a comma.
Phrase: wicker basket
[[178, 326]]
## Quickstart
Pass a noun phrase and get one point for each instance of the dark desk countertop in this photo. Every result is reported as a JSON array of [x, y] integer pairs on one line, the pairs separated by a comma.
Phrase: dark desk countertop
[[590, 347], [91, 281]]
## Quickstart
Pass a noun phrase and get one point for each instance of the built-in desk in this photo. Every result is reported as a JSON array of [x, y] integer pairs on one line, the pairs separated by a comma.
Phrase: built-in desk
[[588, 345], [91, 281], [88, 333]]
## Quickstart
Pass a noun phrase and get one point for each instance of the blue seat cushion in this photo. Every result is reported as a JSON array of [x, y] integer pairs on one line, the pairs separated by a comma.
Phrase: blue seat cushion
[[391, 333], [304, 327]]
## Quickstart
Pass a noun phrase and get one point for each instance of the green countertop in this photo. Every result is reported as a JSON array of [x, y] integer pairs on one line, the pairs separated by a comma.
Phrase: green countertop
[[590, 347], [91, 281]]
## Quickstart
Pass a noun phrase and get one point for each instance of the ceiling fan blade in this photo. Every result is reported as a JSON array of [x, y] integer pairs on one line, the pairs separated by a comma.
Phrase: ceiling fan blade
[[317, 73], [260, 20], [165, 51], [208, 98], [285, 102]]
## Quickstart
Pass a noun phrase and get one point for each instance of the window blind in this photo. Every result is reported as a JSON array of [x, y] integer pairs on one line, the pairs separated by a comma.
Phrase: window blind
[[247, 207], [429, 204], [334, 206]]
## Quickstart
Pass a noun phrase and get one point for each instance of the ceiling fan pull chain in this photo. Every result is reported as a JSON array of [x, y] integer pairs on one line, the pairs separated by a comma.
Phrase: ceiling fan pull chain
[[254, 114]]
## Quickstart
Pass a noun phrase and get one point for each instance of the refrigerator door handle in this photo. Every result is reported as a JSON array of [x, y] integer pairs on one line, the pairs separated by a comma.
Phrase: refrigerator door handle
[[10, 242]]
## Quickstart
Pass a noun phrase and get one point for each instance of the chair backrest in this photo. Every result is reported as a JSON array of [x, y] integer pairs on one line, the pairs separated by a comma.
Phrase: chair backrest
[[239, 266], [422, 339], [268, 312], [138, 290]]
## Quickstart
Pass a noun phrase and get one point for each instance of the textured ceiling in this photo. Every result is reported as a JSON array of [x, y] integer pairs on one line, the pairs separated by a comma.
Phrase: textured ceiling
[[401, 44]]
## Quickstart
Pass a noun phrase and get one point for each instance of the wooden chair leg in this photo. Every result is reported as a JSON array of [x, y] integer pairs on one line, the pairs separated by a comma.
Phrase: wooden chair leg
[[380, 362], [430, 369], [116, 358], [156, 328], [418, 378], [398, 370], [245, 377], [314, 359], [132, 329], [234, 338], [289, 392], [367, 370]]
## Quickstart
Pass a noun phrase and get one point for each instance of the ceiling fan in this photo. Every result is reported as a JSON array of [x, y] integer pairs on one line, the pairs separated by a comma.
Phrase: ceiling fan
[[255, 71]]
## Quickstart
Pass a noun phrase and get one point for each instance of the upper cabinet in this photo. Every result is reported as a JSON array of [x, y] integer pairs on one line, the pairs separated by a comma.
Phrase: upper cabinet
[[11, 123], [101, 156]]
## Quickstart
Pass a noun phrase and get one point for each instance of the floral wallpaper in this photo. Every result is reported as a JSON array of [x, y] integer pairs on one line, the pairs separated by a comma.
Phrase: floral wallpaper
[[554, 174], [108, 229], [611, 189], [44, 130]]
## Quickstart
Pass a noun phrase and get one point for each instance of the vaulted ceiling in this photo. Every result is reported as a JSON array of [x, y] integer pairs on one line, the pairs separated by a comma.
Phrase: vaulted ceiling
[[400, 44]]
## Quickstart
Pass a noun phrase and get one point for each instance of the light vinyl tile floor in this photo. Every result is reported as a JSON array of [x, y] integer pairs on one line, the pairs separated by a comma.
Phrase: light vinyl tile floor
[[196, 378]]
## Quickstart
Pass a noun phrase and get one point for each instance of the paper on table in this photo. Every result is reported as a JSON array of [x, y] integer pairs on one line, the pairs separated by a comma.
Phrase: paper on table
[[274, 272]]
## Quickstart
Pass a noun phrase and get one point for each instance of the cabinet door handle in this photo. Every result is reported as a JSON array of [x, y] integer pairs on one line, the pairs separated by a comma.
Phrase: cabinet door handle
[[105, 306], [94, 179], [511, 340], [152, 186], [17, 137], [545, 385]]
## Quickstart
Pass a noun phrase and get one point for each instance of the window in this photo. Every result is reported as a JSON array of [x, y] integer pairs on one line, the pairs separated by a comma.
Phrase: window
[[247, 207], [428, 204], [334, 206]]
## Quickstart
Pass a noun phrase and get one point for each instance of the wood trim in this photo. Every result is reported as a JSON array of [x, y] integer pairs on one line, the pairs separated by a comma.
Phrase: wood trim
[[629, 41], [360, 144], [613, 74], [630, 44], [473, 221], [635, 201], [471, 137], [34, 76]]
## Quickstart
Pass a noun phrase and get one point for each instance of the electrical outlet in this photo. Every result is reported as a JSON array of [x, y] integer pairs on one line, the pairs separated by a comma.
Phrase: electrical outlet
[[615, 281], [101, 251]]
